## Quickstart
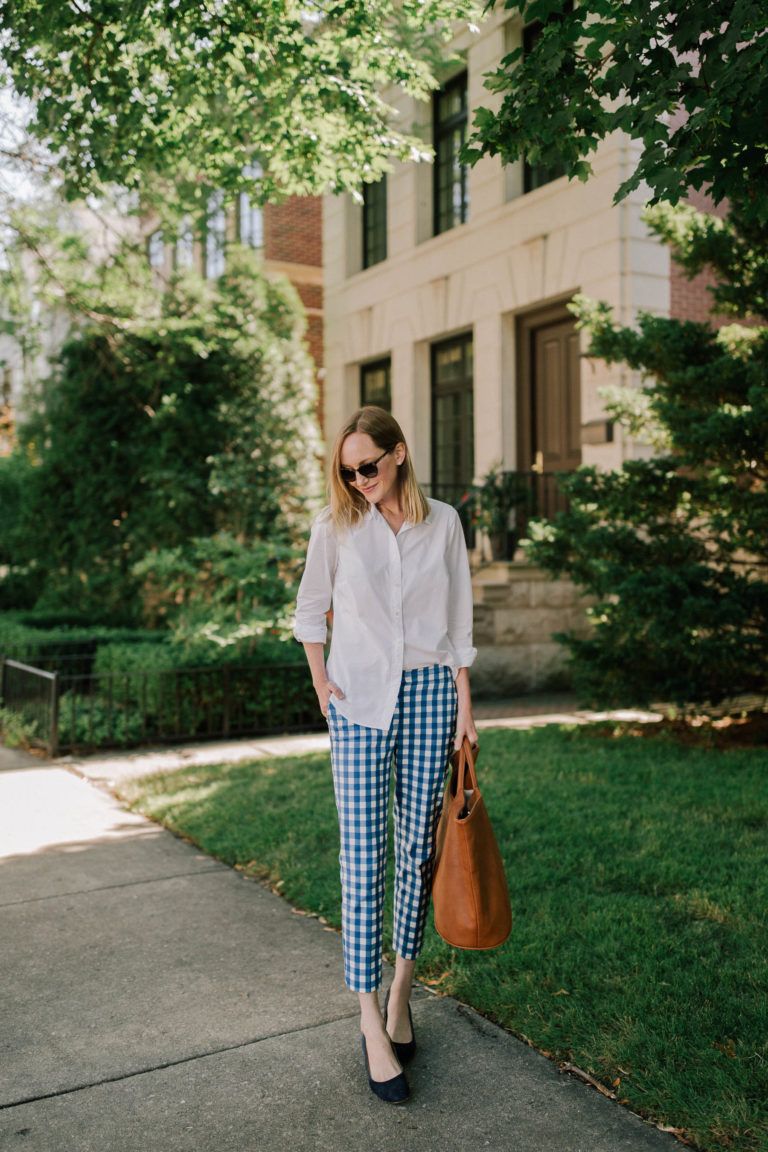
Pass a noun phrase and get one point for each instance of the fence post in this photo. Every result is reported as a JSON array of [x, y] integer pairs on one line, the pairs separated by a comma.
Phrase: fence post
[[54, 741], [2, 678]]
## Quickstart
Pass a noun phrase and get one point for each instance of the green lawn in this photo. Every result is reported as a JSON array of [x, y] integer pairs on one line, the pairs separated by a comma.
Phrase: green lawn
[[638, 870]]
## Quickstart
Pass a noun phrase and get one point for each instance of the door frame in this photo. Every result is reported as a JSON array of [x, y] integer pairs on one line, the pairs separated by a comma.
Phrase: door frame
[[526, 324]]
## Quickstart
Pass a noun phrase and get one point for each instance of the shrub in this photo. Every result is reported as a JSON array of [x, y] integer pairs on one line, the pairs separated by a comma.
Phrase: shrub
[[16, 731], [184, 414]]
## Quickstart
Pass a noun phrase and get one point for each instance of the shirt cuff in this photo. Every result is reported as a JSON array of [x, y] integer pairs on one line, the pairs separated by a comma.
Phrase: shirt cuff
[[465, 657], [309, 635]]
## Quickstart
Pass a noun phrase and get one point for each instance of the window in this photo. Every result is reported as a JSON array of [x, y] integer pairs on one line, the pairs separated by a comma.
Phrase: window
[[376, 384], [250, 216], [453, 439], [451, 179], [536, 175], [215, 236], [156, 249], [375, 222], [184, 255]]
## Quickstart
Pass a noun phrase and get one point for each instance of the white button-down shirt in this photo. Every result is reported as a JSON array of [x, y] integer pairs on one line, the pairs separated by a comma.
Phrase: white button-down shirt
[[399, 602]]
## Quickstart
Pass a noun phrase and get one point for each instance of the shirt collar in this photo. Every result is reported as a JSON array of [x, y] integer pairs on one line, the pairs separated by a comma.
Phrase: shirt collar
[[374, 513]]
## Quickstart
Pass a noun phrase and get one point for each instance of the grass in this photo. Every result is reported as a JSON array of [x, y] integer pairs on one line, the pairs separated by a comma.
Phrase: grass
[[639, 882]]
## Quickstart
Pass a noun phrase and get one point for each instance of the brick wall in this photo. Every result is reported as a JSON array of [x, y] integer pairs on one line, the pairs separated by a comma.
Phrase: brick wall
[[315, 338], [690, 299], [293, 231], [293, 245]]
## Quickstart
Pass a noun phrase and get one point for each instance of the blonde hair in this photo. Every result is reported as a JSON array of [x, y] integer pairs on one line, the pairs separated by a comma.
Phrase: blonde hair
[[348, 506]]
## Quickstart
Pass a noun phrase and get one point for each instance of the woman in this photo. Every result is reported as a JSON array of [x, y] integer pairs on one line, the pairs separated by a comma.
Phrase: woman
[[393, 566]]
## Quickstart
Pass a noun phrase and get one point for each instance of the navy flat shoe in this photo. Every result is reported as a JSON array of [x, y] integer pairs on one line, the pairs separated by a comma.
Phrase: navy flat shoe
[[406, 1051], [394, 1091]]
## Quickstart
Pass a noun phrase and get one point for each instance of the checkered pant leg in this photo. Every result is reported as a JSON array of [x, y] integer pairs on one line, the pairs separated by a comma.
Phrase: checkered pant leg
[[420, 736], [424, 744], [361, 759]]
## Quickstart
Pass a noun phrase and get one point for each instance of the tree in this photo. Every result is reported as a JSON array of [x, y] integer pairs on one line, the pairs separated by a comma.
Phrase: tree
[[175, 416], [673, 549], [687, 81], [161, 93]]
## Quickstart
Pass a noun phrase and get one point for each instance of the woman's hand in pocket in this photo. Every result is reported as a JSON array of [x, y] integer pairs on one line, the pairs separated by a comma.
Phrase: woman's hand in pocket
[[325, 690]]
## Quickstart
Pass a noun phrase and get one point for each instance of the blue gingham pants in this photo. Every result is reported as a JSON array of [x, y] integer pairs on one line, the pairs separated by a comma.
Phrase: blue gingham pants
[[420, 738]]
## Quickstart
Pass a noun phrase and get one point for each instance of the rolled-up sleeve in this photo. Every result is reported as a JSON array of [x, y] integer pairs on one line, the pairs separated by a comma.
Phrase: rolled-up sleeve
[[316, 589], [460, 601]]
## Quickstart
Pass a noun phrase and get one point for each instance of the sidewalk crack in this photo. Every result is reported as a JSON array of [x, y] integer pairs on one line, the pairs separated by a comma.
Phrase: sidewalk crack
[[220, 869], [150, 1068]]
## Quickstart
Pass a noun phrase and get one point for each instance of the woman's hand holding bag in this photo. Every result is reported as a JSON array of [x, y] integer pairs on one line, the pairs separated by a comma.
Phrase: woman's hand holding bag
[[469, 890]]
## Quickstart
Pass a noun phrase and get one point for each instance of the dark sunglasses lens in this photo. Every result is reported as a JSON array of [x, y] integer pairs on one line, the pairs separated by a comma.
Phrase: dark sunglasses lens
[[367, 471]]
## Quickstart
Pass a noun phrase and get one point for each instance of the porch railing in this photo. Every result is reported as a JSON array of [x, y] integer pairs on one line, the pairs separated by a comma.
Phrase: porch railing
[[524, 496]]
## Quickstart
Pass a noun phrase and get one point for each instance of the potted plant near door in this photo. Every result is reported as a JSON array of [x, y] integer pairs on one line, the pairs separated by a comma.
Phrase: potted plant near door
[[500, 498]]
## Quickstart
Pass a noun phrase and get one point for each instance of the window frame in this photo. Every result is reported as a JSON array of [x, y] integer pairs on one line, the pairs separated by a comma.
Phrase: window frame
[[438, 389], [215, 241], [384, 363], [538, 175], [156, 249], [446, 130], [252, 235], [374, 222]]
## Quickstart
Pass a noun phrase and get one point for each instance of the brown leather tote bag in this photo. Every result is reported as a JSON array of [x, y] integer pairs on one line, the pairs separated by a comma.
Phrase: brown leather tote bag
[[469, 890]]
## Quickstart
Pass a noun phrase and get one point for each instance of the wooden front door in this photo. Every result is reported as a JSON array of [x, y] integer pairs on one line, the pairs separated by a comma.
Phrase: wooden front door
[[549, 393]]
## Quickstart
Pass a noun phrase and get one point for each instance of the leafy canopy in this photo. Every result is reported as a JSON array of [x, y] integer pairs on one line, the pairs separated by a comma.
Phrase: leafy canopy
[[188, 93], [687, 81]]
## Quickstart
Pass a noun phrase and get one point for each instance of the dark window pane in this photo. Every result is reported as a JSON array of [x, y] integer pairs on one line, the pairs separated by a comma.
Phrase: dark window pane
[[376, 384], [453, 459], [537, 175], [375, 222], [250, 217], [215, 236], [156, 250], [451, 188]]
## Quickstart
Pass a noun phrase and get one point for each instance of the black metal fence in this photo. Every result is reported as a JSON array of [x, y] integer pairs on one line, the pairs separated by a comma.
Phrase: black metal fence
[[77, 712], [33, 694]]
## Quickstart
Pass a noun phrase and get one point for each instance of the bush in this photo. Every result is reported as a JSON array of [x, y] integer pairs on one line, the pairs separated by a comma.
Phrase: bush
[[148, 704], [15, 730], [187, 415], [61, 643], [194, 689], [221, 591], [94, 723]]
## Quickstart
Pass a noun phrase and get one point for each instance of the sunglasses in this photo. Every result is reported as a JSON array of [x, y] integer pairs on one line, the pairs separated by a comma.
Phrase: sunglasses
[[367, 471]]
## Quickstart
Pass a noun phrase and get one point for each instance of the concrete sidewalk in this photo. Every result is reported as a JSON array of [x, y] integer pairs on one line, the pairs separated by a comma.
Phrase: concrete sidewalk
[[154, 1000]]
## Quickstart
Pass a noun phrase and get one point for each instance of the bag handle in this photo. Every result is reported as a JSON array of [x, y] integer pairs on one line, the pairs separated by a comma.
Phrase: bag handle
[[465, 766]]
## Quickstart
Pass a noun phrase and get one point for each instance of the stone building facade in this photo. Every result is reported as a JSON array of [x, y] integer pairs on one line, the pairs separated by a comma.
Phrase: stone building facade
[[446, 298]]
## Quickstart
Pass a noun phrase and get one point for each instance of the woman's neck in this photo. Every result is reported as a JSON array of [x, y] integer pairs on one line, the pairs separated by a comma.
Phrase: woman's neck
[[391, 509]]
